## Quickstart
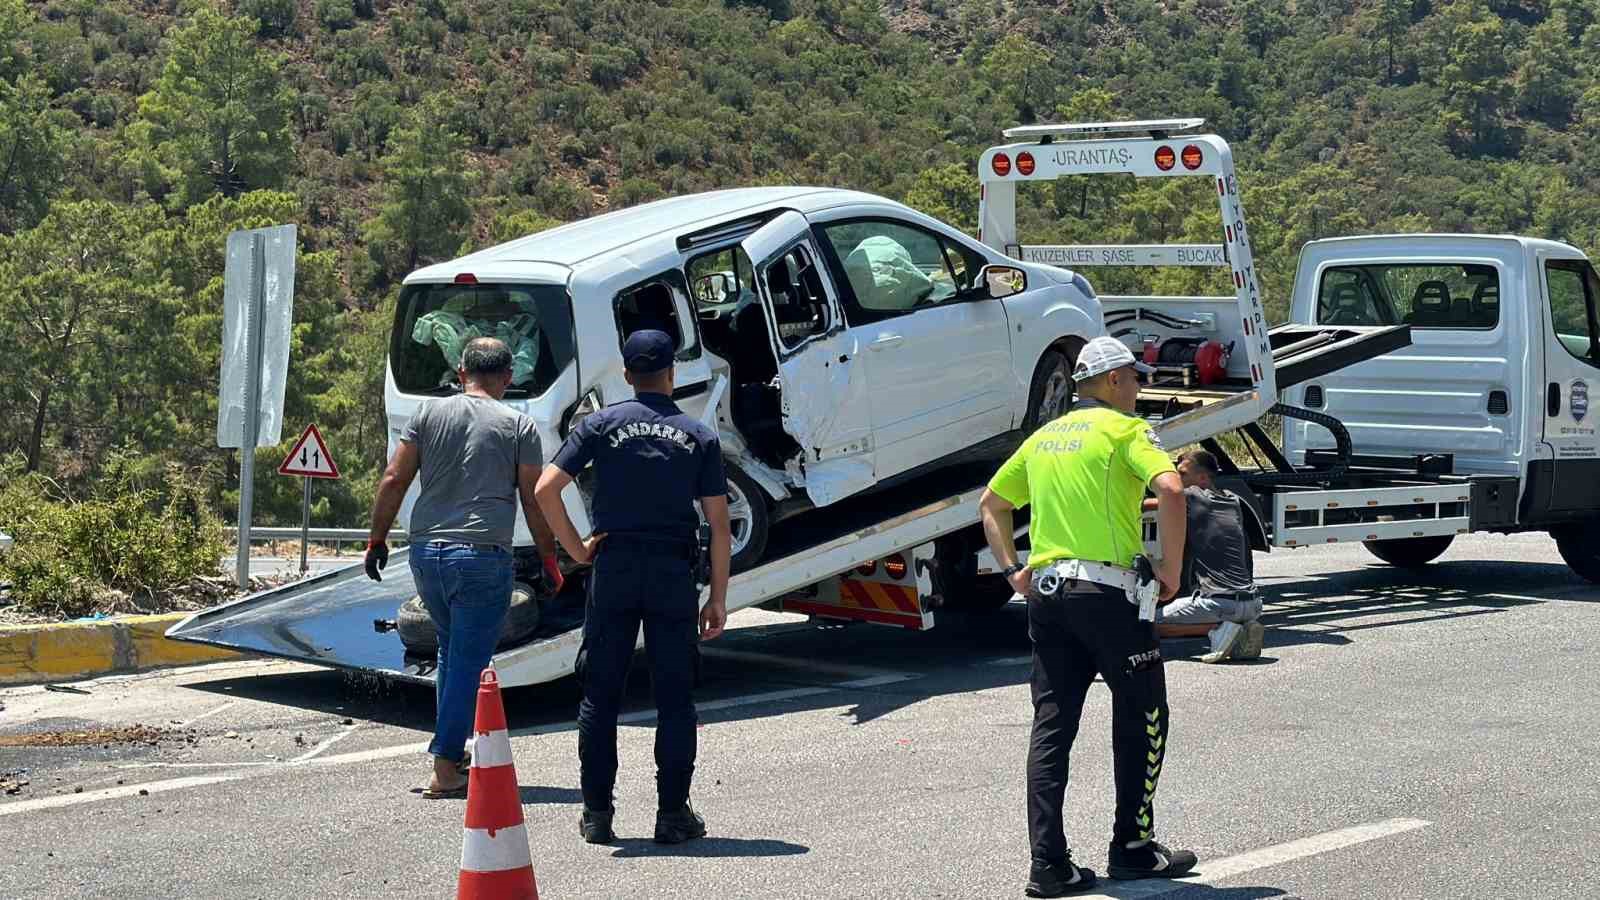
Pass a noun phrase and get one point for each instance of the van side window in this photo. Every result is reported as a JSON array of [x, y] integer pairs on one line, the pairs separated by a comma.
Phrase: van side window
[[1572, 288], [1419, 295], [799, 299], [661, 303]]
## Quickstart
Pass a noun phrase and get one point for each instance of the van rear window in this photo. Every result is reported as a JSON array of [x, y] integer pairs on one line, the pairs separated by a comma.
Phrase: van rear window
[[1419, 295], [433, 322]]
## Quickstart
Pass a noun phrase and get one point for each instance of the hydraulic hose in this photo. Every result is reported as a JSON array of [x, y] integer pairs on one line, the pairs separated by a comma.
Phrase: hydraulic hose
[[1341, 440]]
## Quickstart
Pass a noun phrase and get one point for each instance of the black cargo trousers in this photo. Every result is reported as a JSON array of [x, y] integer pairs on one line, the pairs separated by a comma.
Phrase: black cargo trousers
[[651, 583], [1083, 630]]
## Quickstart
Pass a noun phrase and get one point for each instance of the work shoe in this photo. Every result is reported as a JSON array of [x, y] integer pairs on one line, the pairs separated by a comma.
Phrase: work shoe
[[679, 825], [1148, 860], [595, 826], [1250, 645], [1058, 879], [1224, 638]]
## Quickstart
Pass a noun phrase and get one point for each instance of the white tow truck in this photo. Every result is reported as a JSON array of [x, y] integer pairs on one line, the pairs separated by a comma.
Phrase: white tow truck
[[894, 554]]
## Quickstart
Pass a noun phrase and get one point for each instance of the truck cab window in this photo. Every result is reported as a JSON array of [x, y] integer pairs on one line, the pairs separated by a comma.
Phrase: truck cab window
[[1422, 296], [1573, 290]]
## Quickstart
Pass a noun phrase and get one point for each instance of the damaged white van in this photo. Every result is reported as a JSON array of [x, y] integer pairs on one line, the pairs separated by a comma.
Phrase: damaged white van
[[839, 341]]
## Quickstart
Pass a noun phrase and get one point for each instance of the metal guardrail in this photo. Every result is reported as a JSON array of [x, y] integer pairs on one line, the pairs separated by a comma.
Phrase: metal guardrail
[[316, 534]]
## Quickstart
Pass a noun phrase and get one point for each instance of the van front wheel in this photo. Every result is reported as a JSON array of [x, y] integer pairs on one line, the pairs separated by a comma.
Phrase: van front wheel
[[1578, 548]]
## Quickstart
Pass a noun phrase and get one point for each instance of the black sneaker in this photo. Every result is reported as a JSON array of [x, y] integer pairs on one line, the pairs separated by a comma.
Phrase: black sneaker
[[595, 826], [680, 825], [1058, 880], [1150, 860]]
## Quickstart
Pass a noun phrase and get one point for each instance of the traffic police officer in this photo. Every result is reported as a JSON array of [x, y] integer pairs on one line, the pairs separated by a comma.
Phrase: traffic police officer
[[652, 462], [1084, 475]]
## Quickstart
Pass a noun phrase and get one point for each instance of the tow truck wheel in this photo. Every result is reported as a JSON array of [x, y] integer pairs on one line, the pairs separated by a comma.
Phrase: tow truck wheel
[[1579, 549], [1410, 553], [1050, 395]]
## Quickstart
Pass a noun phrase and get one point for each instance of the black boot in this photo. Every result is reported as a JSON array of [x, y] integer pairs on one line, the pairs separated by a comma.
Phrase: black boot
[[679, 825], [1058, 880], [1149, 860], [595, 826]]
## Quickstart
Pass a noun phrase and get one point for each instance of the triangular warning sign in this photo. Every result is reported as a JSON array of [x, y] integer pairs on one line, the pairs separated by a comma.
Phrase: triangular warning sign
[[309, 457]]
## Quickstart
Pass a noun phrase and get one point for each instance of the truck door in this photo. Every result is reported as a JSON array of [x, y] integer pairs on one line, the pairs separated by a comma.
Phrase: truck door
[[823, 386], [1571, 377]]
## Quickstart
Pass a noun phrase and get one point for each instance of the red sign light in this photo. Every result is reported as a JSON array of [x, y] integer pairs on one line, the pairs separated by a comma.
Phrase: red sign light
[[1001, 164], [1165, 158], [1025, 163], [1192, 157]]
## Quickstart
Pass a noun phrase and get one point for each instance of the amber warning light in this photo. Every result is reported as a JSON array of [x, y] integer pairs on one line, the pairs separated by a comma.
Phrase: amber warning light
[[1165, 158], [1001, 164], [1191, 158]]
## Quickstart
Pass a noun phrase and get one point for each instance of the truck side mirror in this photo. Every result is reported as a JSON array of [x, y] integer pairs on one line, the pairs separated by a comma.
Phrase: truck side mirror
[[1003, 281]]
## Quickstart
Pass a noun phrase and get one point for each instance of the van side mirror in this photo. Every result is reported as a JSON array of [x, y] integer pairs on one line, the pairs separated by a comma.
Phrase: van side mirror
[[1003, 281]]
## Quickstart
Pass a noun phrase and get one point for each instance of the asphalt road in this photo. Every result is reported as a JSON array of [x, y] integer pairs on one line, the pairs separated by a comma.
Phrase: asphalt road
[[1405, 735]]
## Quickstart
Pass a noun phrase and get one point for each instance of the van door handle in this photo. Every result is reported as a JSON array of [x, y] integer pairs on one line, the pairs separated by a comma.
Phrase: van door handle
[[1552, 400], [886, 341]]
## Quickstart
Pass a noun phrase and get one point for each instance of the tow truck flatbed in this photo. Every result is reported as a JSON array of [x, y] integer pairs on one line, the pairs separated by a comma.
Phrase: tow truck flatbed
[[328, 620]]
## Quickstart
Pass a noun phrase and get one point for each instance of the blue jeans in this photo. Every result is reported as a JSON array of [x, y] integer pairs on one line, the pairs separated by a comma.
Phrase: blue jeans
[[466, 589]]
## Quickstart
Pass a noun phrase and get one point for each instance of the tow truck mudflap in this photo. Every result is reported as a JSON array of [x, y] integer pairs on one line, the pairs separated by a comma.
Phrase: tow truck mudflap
[[896, 590]]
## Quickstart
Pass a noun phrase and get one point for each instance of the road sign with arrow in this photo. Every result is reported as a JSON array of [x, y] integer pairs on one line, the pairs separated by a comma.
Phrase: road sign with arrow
[[309, 457]]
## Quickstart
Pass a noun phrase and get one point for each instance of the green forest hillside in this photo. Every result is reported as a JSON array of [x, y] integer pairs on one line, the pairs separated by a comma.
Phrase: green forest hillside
[[134, 135]]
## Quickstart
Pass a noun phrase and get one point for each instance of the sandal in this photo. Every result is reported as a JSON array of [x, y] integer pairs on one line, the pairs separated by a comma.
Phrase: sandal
[[459, 792]]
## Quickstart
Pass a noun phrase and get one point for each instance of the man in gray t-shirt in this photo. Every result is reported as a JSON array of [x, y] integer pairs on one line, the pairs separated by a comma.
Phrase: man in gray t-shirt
[[476, 457]]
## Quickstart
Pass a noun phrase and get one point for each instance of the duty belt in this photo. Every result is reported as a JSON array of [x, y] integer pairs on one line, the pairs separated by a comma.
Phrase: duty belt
[[1049, 578], [1138, 584]]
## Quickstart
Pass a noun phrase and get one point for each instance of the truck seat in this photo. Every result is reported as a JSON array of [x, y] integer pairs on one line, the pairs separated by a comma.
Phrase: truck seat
[[1430, 305]]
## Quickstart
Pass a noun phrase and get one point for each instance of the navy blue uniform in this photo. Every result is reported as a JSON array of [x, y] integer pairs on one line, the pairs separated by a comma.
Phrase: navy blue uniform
[[651, 463]]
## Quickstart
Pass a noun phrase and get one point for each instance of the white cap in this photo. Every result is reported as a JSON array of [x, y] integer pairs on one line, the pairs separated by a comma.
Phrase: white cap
[[1102, 355]]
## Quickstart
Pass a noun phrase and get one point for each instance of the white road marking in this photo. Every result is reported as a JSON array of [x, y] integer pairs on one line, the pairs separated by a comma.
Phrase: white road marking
[[1212, 871], [312, 758], [789, 662], [316, 751], [127, 790], [1004, 661], [207, 714]]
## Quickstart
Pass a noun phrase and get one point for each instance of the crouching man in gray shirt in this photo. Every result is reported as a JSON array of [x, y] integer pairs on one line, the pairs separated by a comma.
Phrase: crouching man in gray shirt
[[476, 456]]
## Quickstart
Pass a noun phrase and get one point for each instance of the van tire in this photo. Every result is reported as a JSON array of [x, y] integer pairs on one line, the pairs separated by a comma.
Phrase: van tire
[[1052, 391], [744, 492], [417, 632], [1410, 553], [1578, 549]]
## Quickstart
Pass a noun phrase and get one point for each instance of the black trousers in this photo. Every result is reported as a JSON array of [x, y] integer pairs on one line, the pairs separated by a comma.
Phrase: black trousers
[[634, 585], [1077, 635]]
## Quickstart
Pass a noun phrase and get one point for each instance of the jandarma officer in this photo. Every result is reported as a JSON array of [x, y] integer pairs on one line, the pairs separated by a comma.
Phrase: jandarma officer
[[652, 462], [1085, 475]]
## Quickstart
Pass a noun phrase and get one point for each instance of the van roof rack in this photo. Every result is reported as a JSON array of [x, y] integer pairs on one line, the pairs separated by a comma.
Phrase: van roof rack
[[1155, 128]]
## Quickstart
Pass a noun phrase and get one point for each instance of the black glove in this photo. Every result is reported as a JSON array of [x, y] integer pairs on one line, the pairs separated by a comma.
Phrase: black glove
[[377, 558]]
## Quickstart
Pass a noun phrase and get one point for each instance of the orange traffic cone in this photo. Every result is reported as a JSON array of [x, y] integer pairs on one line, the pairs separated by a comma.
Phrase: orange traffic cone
[[495, 862]]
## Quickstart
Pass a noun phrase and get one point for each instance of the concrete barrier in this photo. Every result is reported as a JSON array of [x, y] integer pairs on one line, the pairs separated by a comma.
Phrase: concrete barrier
[[65, 651]]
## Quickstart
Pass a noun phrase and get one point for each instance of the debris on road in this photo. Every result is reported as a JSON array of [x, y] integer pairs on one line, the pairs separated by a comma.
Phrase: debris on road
[[65, 689], [105, 737]]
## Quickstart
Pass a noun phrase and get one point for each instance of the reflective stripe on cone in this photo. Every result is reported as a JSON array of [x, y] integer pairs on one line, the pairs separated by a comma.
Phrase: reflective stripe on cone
[[495, 861]]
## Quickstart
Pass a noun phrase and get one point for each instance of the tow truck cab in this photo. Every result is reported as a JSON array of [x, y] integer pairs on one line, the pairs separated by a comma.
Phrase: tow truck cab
[[1505, 351]]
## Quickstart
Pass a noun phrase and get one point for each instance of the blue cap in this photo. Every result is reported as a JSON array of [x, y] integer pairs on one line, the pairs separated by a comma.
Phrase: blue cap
[[648, 351]]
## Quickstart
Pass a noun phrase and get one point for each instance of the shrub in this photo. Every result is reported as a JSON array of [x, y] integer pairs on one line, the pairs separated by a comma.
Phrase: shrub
[[127, 548], [336, 14], [276, 16]]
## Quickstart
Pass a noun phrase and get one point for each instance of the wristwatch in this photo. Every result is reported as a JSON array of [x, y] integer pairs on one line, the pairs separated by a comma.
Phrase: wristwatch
[[1013, 569]]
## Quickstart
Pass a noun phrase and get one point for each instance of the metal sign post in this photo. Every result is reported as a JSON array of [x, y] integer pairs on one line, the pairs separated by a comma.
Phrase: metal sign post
[[257, 322], [255, 312], [308, 458]]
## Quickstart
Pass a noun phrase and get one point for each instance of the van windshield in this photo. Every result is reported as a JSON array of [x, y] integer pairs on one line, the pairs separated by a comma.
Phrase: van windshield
[[433, 322]]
